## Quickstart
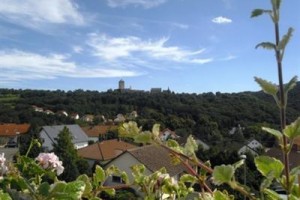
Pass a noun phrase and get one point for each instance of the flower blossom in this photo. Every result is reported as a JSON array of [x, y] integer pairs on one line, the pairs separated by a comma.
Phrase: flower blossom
[[3, 167], [50, 161]]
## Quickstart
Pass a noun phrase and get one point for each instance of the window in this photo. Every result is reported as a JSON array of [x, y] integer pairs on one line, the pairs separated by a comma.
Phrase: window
[[117, 179]]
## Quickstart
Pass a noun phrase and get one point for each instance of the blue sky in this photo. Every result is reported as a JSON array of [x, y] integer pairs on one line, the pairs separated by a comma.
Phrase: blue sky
[[191, 46]]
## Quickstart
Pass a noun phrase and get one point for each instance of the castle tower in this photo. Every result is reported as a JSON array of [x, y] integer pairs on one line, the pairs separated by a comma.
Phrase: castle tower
[[121, 85]]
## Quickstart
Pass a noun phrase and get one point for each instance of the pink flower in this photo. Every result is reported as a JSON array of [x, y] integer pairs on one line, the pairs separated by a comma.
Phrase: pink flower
[[50, 161]]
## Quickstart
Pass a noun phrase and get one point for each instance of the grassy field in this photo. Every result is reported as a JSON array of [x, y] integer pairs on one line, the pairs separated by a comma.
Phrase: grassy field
[[9, 99]]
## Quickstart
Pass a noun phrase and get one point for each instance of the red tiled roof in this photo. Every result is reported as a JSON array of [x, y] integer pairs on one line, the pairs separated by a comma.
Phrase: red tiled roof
[[95, 131], [13, 129], [105, 150], [155, 157]]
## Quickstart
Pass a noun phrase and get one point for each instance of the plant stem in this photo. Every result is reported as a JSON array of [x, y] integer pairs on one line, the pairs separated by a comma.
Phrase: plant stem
[[282, 107]]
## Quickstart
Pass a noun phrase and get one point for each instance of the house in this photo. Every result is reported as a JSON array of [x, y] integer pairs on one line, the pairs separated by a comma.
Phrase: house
[[251, 147], [102, 152], [120, 118], [49, 133], [62, 113], [153, 157], [9, 133], [74, 116], [168, 134], [37, 109], [49, 112], [88, 118], [96, 132]]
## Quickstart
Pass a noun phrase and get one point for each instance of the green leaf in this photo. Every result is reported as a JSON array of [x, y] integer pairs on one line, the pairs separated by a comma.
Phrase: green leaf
[[276, 4], [88, 185], [190, 146], [285, 39], [258, 12], [267, 87], [238, 164], [289, 86], [145, 137], [172, 143], [44, 189], [218, 195], [99, 175], [271, 194], [155, 130], [187, 178], [295, 171], [223, 174], [124, 177], [292, 130], [110, 191], [266, 45], [267, 165], [274, 132], [75, 189], [129, 129], [4, 196]]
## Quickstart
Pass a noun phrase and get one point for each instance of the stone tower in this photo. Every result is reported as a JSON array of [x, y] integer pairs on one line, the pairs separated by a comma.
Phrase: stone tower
[[121, 85]]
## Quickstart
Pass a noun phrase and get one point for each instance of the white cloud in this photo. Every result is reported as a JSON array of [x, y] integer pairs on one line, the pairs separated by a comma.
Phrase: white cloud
[[18, 65], [182, 26], [114, 48], [33, 12], [77, 49], [221, 20], [143, 3]]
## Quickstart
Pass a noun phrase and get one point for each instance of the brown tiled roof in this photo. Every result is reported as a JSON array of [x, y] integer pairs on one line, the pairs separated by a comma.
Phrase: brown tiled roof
[[95, 131], [294, 156], [155, 157], [13, 129], [105, 150]]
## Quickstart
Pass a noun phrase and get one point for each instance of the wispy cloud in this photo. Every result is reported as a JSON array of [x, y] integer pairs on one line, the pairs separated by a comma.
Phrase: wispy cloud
[[143, 3], [77, 49], [221, 20], [182, 26], [114, 48], [32, 13], [18, 65]]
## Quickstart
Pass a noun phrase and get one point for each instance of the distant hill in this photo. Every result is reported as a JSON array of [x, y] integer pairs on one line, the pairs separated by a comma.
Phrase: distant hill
[[206, 114]]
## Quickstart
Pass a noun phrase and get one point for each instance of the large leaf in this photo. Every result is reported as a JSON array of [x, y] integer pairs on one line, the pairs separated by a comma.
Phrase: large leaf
[[190, 146], [88, 185], [145, 137], [276, 4], [267, 165], [289, 86], [129, 129], [292, 130], [218, 195], [4, 196], [44, 189], [285, 39], [258, 12], [223, 174], [99, 175], [266, 45], [187, 178], [271, 194], [267, 87], [155, 130], [274, 132]]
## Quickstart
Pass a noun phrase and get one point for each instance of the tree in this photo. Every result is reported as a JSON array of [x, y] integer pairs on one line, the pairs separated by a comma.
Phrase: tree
[[65, 150]]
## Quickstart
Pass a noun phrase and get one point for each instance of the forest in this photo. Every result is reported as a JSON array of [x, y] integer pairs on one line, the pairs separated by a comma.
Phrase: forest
[[208, 116]]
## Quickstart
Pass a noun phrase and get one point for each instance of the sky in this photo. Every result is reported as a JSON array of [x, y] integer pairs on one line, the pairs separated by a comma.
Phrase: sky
[[188, 46]]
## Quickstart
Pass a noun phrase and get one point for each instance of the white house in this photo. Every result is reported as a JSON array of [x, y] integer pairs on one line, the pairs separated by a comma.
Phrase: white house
[[153, 157], [251, 147], [49, 133]]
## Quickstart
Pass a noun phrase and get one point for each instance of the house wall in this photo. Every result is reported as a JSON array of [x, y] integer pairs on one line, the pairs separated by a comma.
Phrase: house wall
[[47, 142], [124, 163], [81, 145]]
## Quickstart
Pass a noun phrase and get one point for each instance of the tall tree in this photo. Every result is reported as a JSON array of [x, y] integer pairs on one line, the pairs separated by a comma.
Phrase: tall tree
[[65, 150]]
